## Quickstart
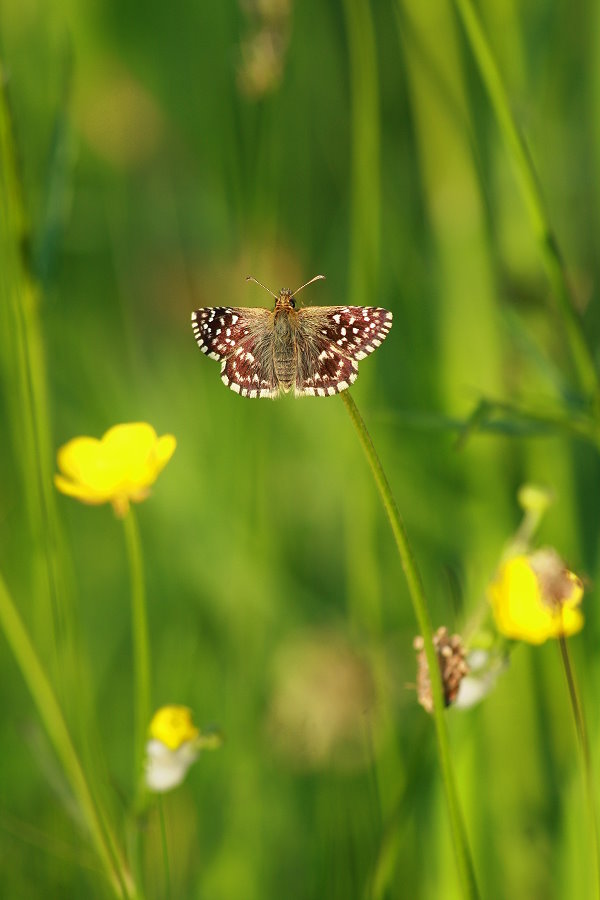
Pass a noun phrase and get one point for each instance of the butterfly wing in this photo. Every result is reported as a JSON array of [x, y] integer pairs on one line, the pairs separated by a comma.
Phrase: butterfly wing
[[330, 341], [241, 339]]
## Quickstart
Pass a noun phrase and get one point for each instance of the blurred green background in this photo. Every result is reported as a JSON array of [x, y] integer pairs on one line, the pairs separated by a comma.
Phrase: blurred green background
[[164, 152]]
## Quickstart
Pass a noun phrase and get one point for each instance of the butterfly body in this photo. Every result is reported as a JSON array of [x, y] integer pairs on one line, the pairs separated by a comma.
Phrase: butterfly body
[[313, 350], [284, 332]]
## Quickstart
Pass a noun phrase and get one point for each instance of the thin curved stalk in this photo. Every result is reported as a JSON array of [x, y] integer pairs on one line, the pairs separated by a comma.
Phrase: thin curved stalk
[[417, 594], [54, 722], [584, 747]]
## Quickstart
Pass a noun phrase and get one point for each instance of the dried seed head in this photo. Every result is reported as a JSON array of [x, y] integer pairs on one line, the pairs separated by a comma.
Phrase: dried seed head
[[452, 663], [557, 584]]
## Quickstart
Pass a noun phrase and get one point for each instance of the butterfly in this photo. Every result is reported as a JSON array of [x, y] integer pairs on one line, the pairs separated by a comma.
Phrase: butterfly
[[315, 350]]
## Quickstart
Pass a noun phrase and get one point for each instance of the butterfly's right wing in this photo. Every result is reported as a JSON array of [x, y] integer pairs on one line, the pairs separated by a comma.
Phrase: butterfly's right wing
[[242, 340]]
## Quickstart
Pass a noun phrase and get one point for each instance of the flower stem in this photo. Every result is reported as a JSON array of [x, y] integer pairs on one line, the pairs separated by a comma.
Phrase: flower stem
[[165, 847], [140, 637], [465, 866], [584, 747], [54, 722], [555, 268]]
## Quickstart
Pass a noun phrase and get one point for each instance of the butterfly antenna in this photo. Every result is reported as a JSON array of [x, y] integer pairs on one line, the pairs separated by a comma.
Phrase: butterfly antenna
[[316, 278], [260, 284]]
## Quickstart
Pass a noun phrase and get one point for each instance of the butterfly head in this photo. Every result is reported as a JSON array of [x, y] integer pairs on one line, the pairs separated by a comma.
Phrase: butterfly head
[[285, 300]]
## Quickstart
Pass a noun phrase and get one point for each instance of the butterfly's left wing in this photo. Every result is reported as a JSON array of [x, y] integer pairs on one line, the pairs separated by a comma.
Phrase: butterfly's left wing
[[241, 339], [330, 341]]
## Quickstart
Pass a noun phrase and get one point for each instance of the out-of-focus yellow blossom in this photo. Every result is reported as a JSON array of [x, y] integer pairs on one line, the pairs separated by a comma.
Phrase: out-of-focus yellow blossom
[[174, 743], [535, 597], [118, 468], [173, 726]]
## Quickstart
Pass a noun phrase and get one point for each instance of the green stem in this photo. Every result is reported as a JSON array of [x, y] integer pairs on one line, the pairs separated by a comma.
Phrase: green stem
[[532, 194], [52, 717], [365, 160], [417, 594], [165, 847], [584, 747], [140, 637], [24, 374]]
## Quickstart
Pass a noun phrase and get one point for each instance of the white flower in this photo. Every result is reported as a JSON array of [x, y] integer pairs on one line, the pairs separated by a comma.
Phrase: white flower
[[166, 768], [484, 669]]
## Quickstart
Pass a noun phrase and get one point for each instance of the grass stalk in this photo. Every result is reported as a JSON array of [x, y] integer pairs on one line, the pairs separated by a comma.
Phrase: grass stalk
[[584, 747], [140, 637], [365, 162], [165, 846], [52, 717], [465, 866], [24, 371], [581, 354]]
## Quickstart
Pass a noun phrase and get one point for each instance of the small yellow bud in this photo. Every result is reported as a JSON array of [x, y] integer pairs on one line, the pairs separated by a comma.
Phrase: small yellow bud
[[534, 498]]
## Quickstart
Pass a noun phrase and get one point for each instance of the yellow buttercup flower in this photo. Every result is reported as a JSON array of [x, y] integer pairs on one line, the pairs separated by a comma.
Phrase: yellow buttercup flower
[[173, 726], [174, 743], [535, 597], [118, 468]]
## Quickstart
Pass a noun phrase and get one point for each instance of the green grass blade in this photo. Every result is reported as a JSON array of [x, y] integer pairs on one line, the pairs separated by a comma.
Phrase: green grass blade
[[532, 194]]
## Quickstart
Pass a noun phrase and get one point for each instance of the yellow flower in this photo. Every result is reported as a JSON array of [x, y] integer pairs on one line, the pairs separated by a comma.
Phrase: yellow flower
[[118, 468], [173, 726], [535, 597], [172, 747]]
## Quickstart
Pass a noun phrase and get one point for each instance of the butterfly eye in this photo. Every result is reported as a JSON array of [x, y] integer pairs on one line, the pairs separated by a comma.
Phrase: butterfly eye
[[292, 303]]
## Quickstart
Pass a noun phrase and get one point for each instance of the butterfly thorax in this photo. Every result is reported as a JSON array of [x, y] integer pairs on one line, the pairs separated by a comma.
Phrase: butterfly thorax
[[284, 340], [285, 300]]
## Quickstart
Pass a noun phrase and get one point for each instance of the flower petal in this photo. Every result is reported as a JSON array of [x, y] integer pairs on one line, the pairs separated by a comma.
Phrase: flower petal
[[131, 441], [570, 622], [80, 492], [86, 461], [522, 613], [173, 726], [165, 448], [78, 455], [165, 768]]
